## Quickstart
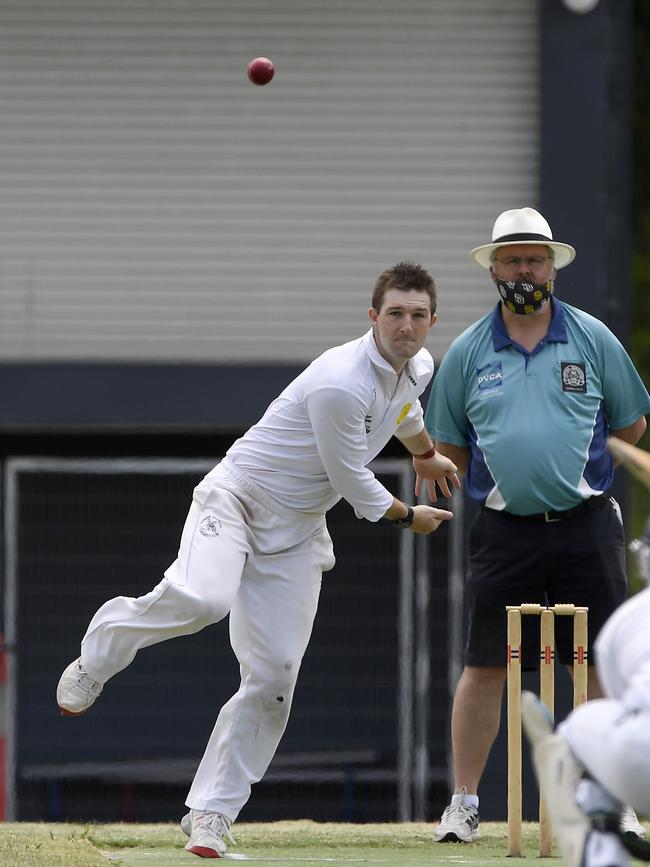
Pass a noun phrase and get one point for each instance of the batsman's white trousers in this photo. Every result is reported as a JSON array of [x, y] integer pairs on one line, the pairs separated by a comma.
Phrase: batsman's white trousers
[[242, 553], [612, 743], [614, 746]]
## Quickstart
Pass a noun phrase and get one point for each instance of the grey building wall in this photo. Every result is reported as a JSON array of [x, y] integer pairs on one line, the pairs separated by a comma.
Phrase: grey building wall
[[158, 207]]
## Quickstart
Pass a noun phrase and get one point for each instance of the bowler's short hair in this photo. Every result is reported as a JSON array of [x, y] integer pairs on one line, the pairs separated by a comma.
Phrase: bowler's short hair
[[407, 277]]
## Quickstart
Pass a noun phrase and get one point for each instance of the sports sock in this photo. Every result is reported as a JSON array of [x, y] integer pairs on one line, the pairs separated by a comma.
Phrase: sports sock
[[464, 798]]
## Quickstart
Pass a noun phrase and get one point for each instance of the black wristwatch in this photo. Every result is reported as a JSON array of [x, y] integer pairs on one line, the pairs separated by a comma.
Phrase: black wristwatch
[[403, 523]]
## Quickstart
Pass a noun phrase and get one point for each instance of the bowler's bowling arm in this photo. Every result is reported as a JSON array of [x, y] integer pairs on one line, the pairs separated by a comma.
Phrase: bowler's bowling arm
[[636, 460], [632, 433]]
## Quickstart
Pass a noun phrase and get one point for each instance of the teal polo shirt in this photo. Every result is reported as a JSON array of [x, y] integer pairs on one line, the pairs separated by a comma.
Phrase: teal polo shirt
[[536, 423]]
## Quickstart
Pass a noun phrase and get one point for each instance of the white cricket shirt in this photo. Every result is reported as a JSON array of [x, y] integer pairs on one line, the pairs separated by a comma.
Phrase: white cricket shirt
[[314, 442]]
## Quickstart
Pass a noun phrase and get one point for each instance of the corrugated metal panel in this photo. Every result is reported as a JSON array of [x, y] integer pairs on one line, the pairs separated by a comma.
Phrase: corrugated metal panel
[[156, 205]]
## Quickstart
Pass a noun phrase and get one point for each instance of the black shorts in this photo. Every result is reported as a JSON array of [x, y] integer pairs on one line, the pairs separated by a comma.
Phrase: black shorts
[[579, 560]]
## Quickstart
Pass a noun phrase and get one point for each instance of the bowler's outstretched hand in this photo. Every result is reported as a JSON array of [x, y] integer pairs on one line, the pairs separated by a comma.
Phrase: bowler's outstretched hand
[[426, 519], [437, 470]]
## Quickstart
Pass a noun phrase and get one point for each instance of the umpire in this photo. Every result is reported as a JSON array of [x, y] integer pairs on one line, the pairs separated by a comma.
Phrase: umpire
[[523, 404]]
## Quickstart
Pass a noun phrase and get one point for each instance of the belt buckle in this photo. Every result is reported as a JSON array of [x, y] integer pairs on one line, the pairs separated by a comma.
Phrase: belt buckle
[[550, 520]]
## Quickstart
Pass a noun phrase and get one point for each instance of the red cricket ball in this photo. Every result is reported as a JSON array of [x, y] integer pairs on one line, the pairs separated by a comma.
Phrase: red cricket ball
[[260, 70]]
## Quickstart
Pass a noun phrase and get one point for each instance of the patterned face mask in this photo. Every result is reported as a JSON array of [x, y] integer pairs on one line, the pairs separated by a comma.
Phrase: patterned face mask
[[523, 297]]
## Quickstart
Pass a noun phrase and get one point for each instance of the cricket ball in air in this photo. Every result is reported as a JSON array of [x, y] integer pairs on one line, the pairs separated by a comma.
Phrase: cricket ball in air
[[260, 70]]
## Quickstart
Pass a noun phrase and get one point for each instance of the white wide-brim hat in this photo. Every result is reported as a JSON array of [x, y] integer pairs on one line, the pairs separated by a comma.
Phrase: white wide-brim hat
[[522, 226]]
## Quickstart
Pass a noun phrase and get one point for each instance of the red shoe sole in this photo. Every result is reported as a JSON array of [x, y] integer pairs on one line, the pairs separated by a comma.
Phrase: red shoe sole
[[204, 852], [65, 712]]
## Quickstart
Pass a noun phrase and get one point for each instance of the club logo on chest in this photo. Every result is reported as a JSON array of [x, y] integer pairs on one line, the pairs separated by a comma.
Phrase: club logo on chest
[[574, 376]]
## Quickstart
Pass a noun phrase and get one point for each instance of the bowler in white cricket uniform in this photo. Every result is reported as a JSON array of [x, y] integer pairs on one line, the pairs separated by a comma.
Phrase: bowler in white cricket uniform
[[255, 542]]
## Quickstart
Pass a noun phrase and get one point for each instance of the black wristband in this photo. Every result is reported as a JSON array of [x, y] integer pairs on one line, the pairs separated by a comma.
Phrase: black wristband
[[403, 523]]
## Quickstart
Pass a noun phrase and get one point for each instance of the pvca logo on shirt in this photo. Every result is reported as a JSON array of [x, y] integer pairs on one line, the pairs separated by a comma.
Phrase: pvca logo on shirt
[[490, 376]]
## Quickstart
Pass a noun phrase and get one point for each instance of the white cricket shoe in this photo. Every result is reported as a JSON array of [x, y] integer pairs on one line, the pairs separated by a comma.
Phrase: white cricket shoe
[[558, 773], [77, 690], [629, 824], [206, 832], [458, 823]]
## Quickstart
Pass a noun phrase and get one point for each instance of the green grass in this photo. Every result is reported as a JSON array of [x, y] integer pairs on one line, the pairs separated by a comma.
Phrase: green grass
[[280, 844]]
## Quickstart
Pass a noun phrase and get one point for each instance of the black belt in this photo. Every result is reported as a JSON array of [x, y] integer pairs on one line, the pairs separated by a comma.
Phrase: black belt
[[585, 506]]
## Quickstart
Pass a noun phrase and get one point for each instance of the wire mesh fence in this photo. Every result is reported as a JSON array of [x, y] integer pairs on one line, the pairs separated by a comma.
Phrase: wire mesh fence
[[357, 747]]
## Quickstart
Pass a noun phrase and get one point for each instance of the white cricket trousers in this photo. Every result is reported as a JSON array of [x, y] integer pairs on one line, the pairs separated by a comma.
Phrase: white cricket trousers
[[614, 746], [242, 553]]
